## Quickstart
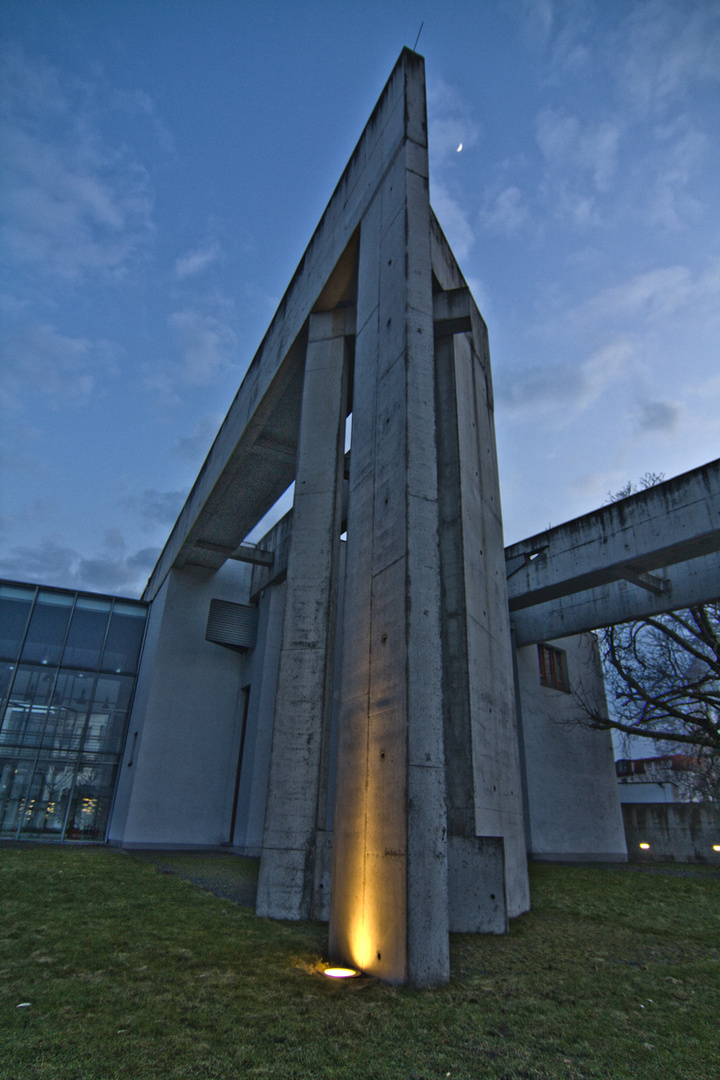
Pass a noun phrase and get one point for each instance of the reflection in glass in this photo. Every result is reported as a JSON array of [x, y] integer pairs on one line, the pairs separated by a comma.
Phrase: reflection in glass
[[15, 776], [15, 604], [47, 629], [105, 732], [91, 800], [42, 808], [7, 672], [122, 648], [62, 724], [87, 633], [27, 710]]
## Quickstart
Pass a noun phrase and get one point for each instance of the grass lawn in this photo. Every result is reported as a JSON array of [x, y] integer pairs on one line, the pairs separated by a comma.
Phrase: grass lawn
[[133, 972]]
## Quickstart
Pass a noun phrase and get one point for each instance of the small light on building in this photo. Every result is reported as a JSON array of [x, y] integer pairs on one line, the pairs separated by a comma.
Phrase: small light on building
[[341, 973], [644, 847], [716, 847]]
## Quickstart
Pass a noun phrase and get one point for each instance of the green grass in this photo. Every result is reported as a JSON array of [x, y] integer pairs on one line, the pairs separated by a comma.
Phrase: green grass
[[133, 972]]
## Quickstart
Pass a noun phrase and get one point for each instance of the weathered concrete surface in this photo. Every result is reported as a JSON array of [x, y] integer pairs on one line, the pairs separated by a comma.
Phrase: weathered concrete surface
[[602, 568], [303, 702], [389, 910], [476, 885], [572, 802], [484, 787], [676, 832]]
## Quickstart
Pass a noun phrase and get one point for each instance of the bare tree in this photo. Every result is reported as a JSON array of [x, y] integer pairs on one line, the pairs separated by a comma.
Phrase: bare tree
[[662, 680]]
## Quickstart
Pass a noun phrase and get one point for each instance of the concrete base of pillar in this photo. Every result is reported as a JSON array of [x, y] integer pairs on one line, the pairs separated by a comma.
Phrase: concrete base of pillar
[[476, 885]]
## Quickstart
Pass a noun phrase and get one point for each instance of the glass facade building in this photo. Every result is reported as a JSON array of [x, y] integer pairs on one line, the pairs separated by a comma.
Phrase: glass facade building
[[68, 666]]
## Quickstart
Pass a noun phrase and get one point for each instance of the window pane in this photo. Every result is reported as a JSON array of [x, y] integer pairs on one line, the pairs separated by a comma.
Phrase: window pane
[[108, 716], [47, 629], [26, 713], [15, 607], [6, 674], [68, 711], [87, 634], [42, 811], [124, 639], [15, 776], [91, 802]]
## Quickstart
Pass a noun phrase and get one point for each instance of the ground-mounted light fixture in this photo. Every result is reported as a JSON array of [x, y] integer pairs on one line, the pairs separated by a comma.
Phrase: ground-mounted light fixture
[[341, 973], [644, 847]]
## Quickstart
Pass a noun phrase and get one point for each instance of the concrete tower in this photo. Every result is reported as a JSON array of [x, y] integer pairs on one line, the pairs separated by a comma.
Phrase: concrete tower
[[428, 829]]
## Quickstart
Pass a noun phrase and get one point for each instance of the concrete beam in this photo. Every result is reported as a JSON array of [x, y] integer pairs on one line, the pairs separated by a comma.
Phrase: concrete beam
[[247, 553], [685, 584], [669, 524], [230, 496]]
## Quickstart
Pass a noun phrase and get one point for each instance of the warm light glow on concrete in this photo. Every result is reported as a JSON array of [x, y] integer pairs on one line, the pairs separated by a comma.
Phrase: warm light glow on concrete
[[645, 847], [341, 972], [716, 847]]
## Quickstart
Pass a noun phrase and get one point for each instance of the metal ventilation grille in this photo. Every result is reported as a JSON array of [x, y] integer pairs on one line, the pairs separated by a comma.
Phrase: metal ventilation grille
[[232, 625]]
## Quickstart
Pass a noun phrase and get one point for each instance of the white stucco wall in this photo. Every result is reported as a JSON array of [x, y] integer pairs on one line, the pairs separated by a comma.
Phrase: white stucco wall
[[178, 791], [572, 802]]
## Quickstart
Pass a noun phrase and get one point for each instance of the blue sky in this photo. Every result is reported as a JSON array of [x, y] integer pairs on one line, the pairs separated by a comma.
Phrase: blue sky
[[166, 161]]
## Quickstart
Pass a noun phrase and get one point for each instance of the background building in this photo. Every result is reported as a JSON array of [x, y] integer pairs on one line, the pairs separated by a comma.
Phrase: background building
[[67, 677]]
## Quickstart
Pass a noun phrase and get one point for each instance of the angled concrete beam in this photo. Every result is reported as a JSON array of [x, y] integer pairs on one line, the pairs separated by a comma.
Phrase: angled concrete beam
[[230, 496]]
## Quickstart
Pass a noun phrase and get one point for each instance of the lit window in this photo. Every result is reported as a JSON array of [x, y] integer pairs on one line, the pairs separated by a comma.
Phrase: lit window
[[553, 668]]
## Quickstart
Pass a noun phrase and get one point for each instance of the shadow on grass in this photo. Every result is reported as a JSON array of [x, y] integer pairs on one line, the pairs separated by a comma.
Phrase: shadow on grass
[[223, 874]]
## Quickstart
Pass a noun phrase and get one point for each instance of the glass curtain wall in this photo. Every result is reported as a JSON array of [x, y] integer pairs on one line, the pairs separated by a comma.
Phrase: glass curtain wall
[[68, 665]]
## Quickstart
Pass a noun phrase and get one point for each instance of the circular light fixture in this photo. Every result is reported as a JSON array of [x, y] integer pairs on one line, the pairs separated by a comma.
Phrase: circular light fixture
[[645, 847], [716, 847], [341, 973]]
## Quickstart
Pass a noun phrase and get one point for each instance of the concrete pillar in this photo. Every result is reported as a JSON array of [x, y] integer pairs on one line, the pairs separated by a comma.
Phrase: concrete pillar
[[481, 740], [303, 700], [388, 911]]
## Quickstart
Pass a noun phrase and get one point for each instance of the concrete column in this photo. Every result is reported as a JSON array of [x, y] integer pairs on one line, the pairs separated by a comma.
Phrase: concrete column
[[303, 700], [388, 912], [481, 738]]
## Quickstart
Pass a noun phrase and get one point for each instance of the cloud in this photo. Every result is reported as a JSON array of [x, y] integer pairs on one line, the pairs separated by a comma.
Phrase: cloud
[[194, 262], [67, 370], [75, 206], [567, 144], [679, 154], [53, 562], [207, 344], [506, 213], [155, 507], [664, 47], [565, 386], [454, 221], [194, 447], [450, 122], [660, 416], [653, 296]]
